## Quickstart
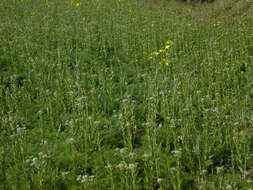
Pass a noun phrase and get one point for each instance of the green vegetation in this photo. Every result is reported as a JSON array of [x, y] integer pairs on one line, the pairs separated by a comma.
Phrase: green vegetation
[[114, 94]]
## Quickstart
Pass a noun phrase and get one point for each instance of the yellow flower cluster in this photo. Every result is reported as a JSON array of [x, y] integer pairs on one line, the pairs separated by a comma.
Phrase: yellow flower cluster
[[163, 52], [75, 3], [164, 62], [217, 24]]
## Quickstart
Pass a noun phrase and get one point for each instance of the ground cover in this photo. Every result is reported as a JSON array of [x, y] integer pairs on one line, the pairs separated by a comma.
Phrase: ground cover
[[117, 94]]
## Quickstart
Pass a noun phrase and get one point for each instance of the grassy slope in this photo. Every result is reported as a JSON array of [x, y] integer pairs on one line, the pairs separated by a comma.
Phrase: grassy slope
[[83, 104]]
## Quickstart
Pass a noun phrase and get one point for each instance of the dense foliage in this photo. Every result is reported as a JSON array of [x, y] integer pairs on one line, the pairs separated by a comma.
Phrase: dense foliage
[[117, 94]]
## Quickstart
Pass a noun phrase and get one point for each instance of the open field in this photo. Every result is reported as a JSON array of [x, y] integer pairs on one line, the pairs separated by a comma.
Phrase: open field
[[114, 94]]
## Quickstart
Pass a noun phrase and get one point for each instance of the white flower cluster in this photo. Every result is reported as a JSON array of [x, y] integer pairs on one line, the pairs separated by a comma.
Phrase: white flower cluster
[[85, 178], [34, 162], [128, 160], [81, 101], [18, 132], [39, 161], [124, 152], [123, 166]]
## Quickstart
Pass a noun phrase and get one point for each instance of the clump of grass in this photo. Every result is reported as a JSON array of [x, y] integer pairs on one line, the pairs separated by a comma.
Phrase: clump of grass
[[85, 104]]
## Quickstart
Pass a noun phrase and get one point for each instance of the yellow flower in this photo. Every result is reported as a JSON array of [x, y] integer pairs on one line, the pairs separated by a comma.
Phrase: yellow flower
[[217, 24], [45, 17], [161, 50], [78, 4], [188, 25], [167, 46], [166, 63], [169, 42], [155, 53], [152, 25]]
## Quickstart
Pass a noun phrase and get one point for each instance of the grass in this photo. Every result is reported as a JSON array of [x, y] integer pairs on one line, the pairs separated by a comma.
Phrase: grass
[[125, 95]]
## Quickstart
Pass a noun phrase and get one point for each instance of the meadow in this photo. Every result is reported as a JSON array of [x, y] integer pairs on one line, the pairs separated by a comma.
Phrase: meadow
[[124, 94]]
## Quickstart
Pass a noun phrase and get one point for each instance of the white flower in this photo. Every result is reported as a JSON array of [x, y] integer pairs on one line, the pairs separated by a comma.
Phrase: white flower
[[82, 98], [131, 154], [12, 136], [45, 143], [28, 161], [203, 172], [91, 178], [173, 169], [35, 162], [146, 155], [64, 174], [96, 122], [45, 156], [177, 153], [159, 180], [109, 166], [123, 150], [124, 100], [71, 140], [19, 130], [122, 165], [131, 166], [220, 169], [79, 177], [70, 93], [82, 178], [40, 154]]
